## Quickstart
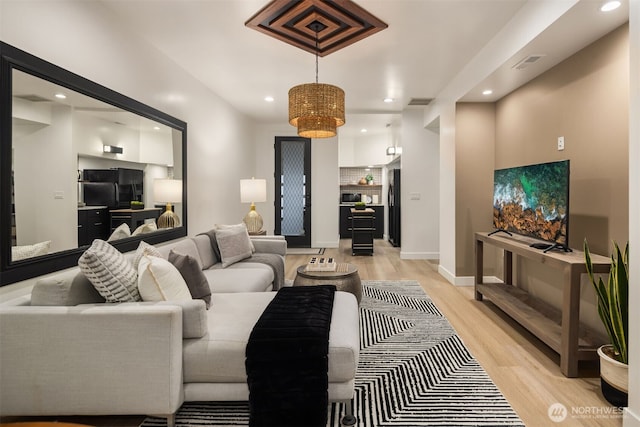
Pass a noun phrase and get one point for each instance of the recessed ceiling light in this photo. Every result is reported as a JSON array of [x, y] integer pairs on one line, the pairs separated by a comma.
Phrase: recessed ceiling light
[[610, 5], [363, 130], [156, 128], [268, 98], [388, 100], [487, 92], [60, 96]]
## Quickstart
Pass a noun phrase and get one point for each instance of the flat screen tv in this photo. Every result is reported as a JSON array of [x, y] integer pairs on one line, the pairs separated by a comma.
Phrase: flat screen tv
[[533, 201]]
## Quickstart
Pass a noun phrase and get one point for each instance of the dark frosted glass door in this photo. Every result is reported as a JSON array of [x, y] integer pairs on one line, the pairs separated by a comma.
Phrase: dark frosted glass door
[[293, 190]]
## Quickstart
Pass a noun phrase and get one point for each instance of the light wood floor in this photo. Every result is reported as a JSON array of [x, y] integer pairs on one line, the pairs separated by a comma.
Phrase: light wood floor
[[523, 368]]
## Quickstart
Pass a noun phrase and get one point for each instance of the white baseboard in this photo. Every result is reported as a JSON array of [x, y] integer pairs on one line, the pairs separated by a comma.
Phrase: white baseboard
[[630, 419], [464, 280], [419, 255], [328, 244]]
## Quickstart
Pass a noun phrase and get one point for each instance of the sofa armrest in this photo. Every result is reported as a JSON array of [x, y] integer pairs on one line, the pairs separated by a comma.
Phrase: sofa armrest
[[194, 314], [91, 360], [272, 245]]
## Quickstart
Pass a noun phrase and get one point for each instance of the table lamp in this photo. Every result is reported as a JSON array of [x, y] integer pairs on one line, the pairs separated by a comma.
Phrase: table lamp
[[252, 191], [168, 191]]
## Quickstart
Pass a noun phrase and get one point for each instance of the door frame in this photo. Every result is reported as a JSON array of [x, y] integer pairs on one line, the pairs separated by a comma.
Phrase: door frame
[[303, 241]]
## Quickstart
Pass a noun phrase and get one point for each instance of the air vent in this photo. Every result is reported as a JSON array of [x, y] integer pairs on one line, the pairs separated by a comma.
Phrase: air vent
[[420, 101], [527, 61]]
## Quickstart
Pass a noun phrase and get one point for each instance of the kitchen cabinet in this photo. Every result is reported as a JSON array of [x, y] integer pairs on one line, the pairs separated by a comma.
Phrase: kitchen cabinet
[[93, 223], [345, 221]]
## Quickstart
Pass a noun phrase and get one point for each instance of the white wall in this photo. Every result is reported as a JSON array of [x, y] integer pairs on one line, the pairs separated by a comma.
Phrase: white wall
[[419, 192], [46, 191], [364, 150], [632, 414]]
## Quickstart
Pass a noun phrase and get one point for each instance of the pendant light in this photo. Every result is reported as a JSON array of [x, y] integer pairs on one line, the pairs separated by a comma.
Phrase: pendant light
[[316, 109]]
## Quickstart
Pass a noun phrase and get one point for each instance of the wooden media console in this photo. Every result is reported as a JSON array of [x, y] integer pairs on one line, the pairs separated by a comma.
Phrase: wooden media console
[[559, 329]]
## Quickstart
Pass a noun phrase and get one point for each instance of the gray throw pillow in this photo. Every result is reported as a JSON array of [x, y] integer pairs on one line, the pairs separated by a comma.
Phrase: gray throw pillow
[[194, 277]]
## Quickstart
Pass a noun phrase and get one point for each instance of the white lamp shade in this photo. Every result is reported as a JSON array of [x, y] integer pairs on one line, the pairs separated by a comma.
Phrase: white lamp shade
[[167, 190], [253, 190]]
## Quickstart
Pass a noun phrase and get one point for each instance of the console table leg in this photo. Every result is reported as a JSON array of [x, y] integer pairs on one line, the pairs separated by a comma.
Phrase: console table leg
[[570, 323], [479, 268]]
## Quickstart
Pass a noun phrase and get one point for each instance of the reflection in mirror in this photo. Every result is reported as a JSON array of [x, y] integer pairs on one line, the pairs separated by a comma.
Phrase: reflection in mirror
[[69, 187], [78, 162]]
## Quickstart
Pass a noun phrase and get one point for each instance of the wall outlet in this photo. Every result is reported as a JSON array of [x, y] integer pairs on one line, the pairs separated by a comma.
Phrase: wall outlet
[[58, 194], [560, 143], [414, 196]]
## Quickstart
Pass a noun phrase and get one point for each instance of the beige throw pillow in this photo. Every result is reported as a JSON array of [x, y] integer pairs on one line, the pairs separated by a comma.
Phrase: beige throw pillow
[[159, 280], [121, 232], [234, 245]]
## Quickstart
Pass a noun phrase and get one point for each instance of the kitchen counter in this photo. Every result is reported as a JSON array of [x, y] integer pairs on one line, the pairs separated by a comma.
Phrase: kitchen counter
[[353, 204], [87, 207]]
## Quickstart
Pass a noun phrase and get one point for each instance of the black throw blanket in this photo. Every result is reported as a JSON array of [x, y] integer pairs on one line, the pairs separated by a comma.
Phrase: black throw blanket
[[287, 359]]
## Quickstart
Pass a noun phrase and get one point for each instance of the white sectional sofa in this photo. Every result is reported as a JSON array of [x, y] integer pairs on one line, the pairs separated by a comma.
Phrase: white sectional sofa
[[73, 354]]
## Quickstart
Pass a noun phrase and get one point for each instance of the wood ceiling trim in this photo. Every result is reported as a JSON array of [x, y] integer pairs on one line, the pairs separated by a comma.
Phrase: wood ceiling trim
[[343, 21]]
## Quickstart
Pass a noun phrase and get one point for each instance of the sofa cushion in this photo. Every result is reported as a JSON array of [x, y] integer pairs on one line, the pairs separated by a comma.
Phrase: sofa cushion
[[240, 277], [220, 355], [109, 272], [192, 275], [234, 244], [143, 249], [159, 280], [70, 288]]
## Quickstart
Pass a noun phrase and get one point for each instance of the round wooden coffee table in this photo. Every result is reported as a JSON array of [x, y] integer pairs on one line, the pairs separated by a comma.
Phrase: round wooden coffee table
[[345, 278]]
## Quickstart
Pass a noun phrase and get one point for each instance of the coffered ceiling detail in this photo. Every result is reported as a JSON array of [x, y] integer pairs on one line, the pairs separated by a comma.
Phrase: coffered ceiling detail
[[339, 23]]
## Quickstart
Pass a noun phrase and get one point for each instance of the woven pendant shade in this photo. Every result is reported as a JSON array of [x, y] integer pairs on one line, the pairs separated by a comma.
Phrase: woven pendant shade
[[316, 109]]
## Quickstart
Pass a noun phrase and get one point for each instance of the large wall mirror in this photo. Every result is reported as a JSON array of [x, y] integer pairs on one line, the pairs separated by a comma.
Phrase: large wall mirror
[[80, 162]]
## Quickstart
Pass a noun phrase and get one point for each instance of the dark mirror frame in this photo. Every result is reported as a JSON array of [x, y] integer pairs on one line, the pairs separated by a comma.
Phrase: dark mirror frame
[[13, 58]]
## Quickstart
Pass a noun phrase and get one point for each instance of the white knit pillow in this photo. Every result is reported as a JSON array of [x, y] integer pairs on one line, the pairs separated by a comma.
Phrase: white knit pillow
[[159, 280], [30, 251], [109, 272]]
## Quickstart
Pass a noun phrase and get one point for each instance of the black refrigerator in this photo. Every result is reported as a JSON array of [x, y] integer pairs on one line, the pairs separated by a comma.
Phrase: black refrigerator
[[393, 201], [115, 188]]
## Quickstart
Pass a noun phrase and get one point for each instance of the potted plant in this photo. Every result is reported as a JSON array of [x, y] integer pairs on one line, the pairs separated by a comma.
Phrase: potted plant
[[613, 308], [369, 179]]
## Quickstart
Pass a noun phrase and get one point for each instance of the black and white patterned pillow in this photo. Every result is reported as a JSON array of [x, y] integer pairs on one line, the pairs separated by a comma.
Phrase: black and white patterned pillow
[[109, 272]]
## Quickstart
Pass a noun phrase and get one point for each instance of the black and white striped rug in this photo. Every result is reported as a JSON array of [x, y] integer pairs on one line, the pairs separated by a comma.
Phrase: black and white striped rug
[[414, 371]]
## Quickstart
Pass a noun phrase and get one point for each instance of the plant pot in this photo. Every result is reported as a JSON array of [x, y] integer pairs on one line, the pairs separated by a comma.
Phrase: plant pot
[[614, 377]]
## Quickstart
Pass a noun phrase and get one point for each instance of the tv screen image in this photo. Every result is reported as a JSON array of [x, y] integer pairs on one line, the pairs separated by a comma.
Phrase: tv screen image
[[533, 201]]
